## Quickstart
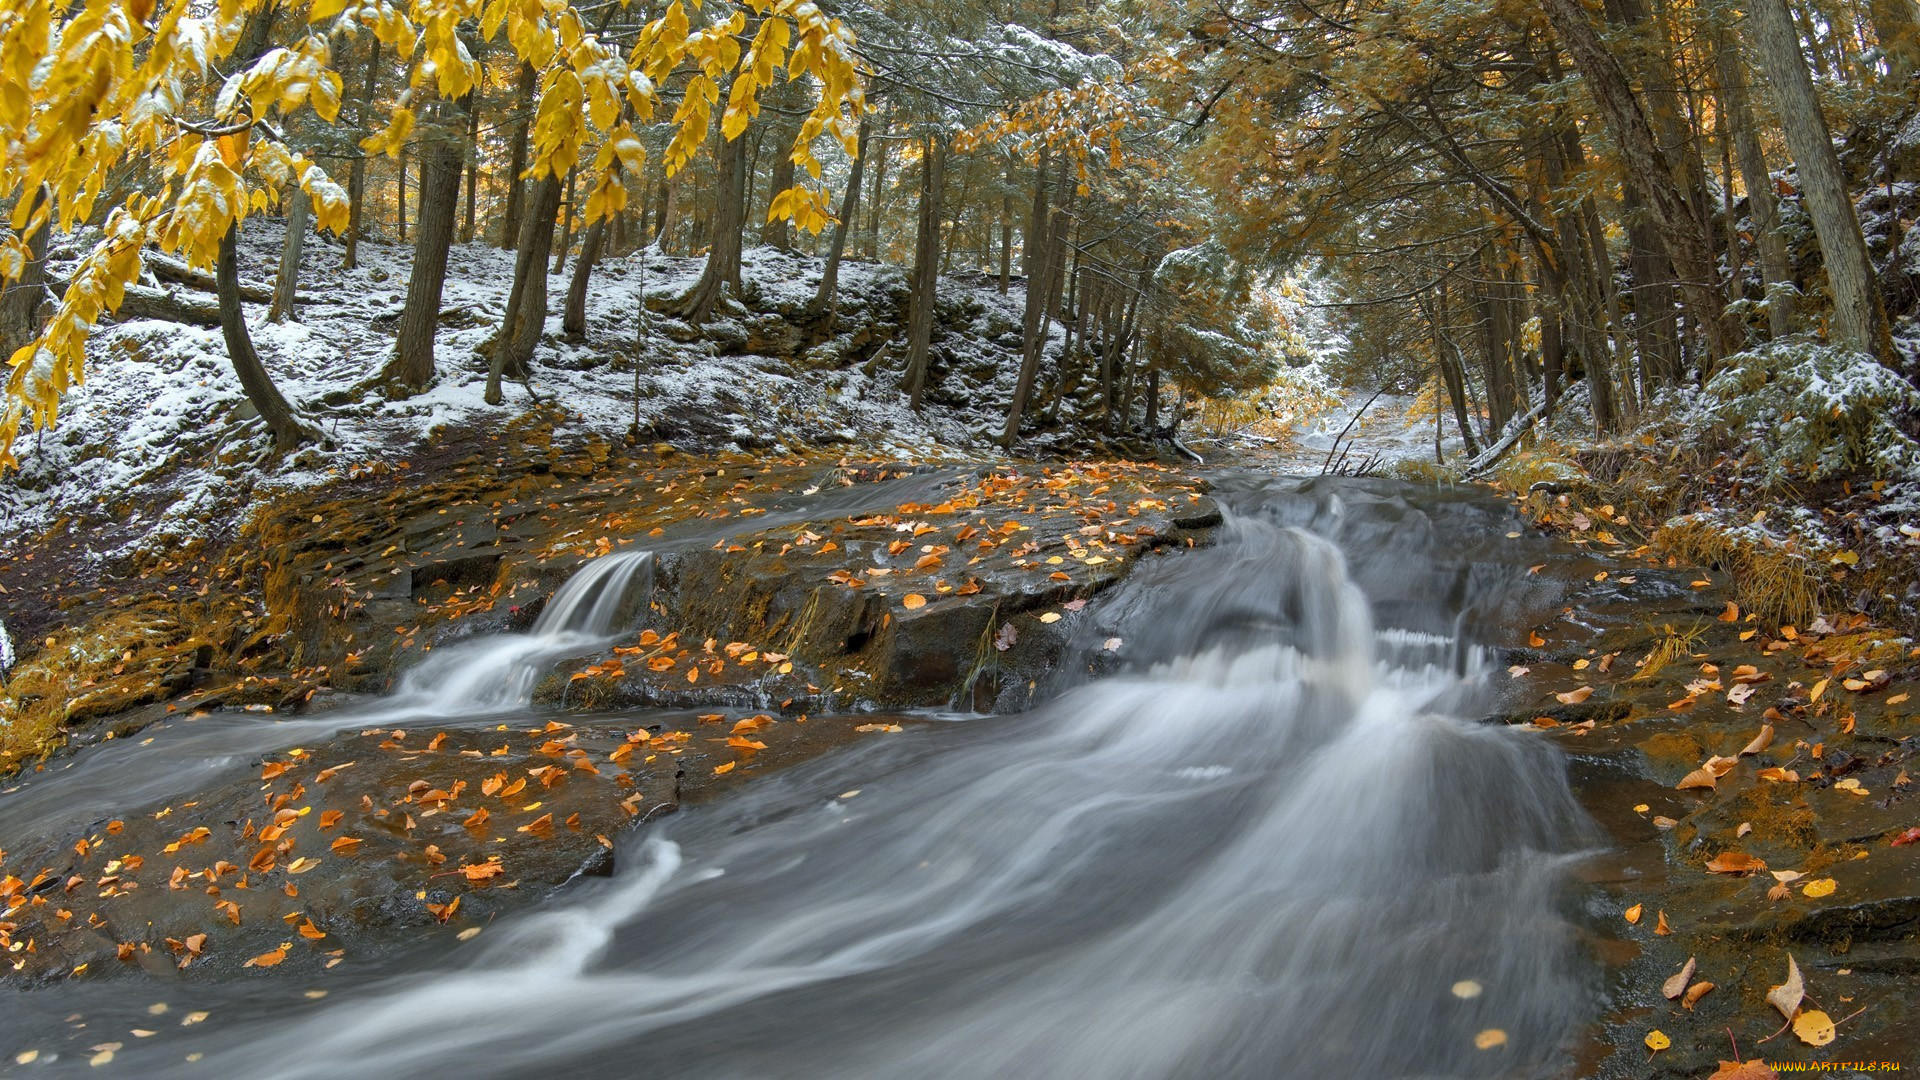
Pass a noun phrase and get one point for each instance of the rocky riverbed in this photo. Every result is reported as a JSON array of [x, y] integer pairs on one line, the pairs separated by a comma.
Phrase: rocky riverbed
[[1752, 779], [787, 609]]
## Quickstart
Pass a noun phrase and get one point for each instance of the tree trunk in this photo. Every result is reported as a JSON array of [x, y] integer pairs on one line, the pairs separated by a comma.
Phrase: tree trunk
[[926, 270], [1656, 327], [1041, 272], [876, 204], [400, 195], [441, 155], [526, 312], [1763, 208], [1898, 32], [1688, 243], [574, 321], [723, 259], [357, 176], [524, 89], [288, 431], [21, 300], [566, 222], [669, 202], [471, 151], [1859, 316], [288, 281], [1006, 234], [779, 234], [826, 297]]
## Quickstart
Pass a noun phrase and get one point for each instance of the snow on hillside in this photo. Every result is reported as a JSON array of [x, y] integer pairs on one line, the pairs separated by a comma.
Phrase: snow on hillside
[[162, 414]]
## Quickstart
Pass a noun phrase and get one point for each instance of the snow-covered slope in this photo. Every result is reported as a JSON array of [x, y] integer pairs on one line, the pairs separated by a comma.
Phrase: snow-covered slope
[[160, 442]]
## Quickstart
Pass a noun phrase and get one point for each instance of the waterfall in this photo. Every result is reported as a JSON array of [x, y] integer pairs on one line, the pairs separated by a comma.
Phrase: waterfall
[[1277, 845], [500, 672]]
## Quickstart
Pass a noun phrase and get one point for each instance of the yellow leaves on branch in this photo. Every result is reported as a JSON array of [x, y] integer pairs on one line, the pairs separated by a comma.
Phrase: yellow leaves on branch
[[1086, 121], [101, 86]]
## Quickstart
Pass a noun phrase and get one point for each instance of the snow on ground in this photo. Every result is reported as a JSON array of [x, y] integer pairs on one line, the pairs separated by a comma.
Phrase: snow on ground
[[162, 414]]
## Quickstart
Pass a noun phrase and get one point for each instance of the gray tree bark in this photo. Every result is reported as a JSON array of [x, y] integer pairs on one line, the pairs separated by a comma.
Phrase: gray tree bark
[[441, 158], [288, 431], [1776, 268], [926, 270], [288, 281], [1859, 316], [826, 296], [357, 175], [526, 312]]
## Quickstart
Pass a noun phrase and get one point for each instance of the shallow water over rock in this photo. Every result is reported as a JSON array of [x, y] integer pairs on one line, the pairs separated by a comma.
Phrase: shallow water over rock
[[1255, 828]]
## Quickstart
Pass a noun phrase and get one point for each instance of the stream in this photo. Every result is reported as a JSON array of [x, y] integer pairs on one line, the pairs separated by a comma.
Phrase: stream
[[1279, 841]]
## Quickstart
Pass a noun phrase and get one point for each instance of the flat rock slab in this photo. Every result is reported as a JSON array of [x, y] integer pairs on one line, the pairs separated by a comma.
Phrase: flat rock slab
[[371, 840], [1658, 688]]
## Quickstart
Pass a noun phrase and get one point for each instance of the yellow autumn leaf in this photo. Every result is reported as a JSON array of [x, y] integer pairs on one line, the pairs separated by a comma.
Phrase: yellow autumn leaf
[[1814, 1027]]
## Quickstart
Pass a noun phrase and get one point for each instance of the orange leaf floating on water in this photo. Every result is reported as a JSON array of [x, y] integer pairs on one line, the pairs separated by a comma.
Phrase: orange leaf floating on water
[[1734, 862], [1661, 926], [722, 770], [311, 932], [269, 959], [1633, 913], [1695, 993], [752, 724], [272, 769], [541, 824], [477, 872], [1575, 697], [1490, 1038], [741, 743], [345, 843], [476, 819], [445, 911], [913, 601]]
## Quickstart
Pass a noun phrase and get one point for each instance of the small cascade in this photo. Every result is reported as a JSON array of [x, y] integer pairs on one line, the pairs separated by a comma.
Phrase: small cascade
[[501, 672], [1273, 847], [592, 599]]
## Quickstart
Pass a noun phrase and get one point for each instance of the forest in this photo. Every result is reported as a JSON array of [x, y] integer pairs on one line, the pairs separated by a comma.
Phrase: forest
[[704, 408]]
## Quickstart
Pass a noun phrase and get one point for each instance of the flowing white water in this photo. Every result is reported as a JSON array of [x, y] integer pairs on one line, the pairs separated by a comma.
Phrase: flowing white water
[[500, 672], [1277, 845], [486, 675]]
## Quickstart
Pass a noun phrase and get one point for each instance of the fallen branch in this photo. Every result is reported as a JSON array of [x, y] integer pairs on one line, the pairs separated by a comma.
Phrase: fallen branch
[[1494, 453], [168, 268], [1326, 465], [141, 302]]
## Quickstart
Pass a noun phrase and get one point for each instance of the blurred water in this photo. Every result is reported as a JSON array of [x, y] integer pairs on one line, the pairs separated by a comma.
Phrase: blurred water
[[1275, 843]]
